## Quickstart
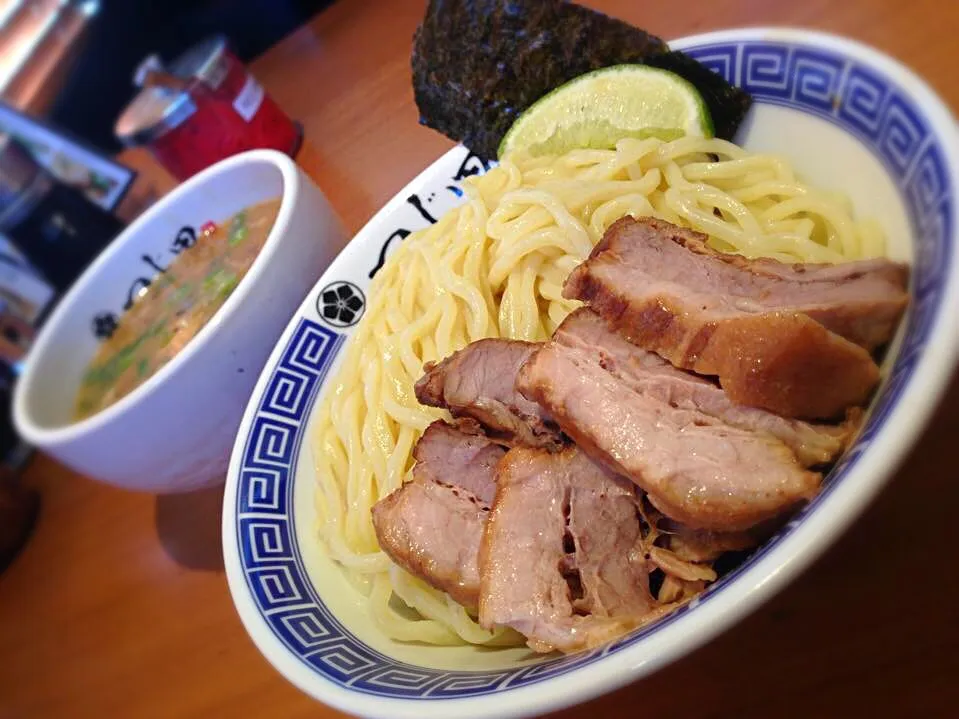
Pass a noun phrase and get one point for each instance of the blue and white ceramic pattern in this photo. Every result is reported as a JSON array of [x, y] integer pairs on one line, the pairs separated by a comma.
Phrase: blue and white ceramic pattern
[[849, 118]]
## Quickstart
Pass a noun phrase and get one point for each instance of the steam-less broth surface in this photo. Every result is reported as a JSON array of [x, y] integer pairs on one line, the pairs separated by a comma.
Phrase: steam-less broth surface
[[175, 306]]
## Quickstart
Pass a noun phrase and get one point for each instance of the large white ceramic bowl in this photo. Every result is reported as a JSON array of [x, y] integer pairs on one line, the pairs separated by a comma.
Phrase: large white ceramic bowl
[[175, 431], [849, 118]]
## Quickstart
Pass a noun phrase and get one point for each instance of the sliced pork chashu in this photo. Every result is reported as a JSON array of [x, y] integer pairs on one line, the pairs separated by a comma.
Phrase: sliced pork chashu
[[700, 545], [478, 381], [695, 468], [794, 339], [861, 301], [585, 332], [433, 525], [458, 454], [563, 560]]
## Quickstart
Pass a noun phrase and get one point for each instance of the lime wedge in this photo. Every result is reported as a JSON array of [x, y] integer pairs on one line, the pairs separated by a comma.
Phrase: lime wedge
[[599, 108]]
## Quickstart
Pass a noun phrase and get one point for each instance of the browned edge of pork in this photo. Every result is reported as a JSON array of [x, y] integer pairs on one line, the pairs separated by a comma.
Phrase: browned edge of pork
[[563, 559], [432, 526], [782, 361], [646, 372], [696, 469], [860, 300], [478, 381]]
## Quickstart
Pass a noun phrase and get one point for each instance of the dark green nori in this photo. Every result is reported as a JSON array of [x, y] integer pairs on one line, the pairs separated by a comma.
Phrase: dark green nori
[[478, 64], [727, 103]]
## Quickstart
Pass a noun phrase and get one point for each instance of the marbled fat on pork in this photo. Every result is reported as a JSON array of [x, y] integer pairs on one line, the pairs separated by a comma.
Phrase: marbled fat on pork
[[695, 468], [432, 526], [478, 381], [793, 339], [563, 560]]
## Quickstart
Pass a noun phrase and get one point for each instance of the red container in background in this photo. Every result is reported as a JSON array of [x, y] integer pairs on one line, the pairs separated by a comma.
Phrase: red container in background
[[206, 107]]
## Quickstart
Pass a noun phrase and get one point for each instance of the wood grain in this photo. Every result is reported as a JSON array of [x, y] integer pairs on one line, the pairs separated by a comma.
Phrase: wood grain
[[118, 605]]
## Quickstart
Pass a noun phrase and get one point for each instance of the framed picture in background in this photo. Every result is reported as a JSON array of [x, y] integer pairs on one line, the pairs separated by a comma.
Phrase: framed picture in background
[[25, 293], [72, 162]]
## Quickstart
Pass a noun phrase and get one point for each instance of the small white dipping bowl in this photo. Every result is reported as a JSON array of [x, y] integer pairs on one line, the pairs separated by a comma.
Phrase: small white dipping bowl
[[174, 432]]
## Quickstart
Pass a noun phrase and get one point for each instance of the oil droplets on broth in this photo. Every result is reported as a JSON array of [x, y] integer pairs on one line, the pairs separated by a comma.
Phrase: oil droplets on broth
[[175, 307]]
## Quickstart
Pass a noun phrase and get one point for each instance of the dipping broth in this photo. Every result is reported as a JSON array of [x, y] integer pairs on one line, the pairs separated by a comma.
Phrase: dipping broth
[[174, 307]]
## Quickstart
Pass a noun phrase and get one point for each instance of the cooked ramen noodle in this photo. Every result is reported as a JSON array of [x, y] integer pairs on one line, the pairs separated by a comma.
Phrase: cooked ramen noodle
[[175, 306], [495, 267]]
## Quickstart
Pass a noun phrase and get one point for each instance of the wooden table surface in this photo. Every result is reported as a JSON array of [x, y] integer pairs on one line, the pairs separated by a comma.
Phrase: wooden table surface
[[118, 606]]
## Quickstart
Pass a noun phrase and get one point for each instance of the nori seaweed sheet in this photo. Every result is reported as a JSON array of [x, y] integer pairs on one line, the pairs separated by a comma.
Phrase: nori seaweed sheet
[[727, 104], [478, 64]]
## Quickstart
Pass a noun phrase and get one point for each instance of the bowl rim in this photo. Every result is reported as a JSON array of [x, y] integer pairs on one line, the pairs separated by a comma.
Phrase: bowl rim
[[794, 552], [46, 436]]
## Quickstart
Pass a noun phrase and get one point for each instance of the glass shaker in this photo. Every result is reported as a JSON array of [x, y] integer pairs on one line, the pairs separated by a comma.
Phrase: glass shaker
[[203, 107]]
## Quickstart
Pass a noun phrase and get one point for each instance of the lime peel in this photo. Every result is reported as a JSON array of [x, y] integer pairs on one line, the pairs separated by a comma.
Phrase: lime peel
[[599, 108]]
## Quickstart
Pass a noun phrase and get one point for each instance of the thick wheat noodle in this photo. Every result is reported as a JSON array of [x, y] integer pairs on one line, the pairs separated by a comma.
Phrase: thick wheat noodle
[[495, 267]]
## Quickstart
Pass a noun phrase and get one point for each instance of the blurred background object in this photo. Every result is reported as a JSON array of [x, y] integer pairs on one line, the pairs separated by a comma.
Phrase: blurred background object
[[52, 223], [24, 294], [18, 512], [125, 31], [202, 107], [66, 71], [72, 60], [39, 40]]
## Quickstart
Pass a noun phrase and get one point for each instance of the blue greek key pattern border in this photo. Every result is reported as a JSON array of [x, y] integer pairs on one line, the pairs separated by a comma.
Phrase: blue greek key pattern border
[[825, 84]]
